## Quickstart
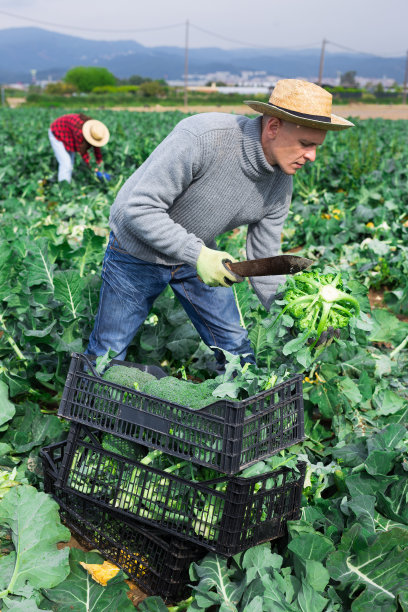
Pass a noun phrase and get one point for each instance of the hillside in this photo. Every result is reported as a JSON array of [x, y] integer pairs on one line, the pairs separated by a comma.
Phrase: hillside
[[52, 54]]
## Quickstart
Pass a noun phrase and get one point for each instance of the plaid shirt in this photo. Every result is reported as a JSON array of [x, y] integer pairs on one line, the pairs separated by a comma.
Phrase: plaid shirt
[[68, 129]]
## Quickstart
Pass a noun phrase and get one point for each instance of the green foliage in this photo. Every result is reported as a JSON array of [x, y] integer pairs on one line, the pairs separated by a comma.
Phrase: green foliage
[[35, 536], [115, 89], [349, 213], [7, 409], [117, 93], [152, 89], [135, 79], [146, 89], [255, 580], [59, 88], [80, 593], [246, 380], [347, 79], [349, 551], [85, 78]]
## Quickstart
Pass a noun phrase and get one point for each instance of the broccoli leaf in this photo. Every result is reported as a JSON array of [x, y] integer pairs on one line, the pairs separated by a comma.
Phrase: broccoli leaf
[[7, 409], [152, 604], [68, 289], [387, 327], [379, 569], [21, 605], [215, 574], [80, 593], [36, 529]]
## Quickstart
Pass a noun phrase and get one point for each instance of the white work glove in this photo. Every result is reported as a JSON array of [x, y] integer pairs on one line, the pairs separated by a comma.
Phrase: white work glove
[[211, 269]]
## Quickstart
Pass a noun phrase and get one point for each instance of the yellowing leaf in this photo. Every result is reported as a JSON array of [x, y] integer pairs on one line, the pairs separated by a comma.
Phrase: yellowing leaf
[[101, 573]]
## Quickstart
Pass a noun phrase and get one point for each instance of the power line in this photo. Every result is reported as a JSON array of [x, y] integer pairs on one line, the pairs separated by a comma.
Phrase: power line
[[240, 42], [182, 24], [357, 51], [247, 44], [59, 25], [110, 30]]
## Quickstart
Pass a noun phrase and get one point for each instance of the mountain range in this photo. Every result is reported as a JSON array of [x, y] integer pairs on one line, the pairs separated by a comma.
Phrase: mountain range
[[51, 54]]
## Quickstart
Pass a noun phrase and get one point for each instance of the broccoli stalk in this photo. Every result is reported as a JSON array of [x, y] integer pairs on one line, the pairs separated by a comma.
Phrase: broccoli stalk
[[205, 523], [154, 492]]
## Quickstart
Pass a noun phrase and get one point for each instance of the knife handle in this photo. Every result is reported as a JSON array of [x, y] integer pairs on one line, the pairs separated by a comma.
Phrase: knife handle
[[227, 265]]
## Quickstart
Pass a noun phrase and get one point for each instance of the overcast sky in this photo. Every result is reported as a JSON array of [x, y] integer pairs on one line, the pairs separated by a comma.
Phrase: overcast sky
[[363, 25]]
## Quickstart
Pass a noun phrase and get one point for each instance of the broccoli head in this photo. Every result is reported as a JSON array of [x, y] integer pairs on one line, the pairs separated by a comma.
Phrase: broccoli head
[[318, 301], [128, 376], [184, 392], [170, 388]]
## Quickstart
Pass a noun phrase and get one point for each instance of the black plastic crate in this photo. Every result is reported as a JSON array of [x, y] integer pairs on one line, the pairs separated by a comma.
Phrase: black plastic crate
[[156, 562], [226, 436], [226, 514]]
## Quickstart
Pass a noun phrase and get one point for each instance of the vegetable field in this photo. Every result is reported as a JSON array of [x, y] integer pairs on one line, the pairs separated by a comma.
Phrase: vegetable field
[[349, 549]]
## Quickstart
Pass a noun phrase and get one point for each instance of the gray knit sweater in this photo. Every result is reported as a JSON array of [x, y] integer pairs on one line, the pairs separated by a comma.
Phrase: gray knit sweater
[[207, 177]]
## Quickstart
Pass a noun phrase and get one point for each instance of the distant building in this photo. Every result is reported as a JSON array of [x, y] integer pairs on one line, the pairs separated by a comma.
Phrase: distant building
[[19, 86]]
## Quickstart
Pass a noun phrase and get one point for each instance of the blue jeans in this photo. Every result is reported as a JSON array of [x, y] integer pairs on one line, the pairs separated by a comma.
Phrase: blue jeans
[[129, 288]]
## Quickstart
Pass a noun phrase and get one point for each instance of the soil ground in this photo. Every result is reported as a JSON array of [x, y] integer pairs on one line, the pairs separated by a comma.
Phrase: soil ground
[[14, 102], [376, 299], [363, 111]]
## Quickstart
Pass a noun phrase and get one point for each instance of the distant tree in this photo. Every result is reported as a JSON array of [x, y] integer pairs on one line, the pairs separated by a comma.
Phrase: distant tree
[[379, 88], [59, 88], [85, 78], [33, 88], [135, 79], [396, 87], [347, 79], [152, 89]]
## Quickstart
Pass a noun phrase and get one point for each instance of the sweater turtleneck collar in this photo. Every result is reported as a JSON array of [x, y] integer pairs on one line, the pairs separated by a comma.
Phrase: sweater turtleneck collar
[[257, 166]]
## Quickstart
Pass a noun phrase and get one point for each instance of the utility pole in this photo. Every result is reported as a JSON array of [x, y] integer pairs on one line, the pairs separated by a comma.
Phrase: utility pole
[[319, 82], [186, 68], [404, 95]]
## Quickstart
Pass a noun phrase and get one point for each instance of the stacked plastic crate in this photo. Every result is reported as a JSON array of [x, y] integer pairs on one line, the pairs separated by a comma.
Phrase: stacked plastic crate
[[153, 523]]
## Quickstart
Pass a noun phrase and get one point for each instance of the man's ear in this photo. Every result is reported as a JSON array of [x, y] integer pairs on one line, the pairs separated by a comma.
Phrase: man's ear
[[272, 126]]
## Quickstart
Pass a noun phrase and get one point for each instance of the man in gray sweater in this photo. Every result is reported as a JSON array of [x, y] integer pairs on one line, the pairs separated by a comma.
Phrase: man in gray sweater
[[214, 172]]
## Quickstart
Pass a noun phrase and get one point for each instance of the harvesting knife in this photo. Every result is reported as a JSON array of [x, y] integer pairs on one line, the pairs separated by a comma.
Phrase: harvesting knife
[[281, 264]]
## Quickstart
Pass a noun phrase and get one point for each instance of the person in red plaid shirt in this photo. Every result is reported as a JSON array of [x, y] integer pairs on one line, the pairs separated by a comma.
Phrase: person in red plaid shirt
[[76, 133]]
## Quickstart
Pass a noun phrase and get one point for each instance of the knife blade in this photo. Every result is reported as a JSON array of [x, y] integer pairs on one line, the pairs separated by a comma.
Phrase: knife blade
[[280, 264]]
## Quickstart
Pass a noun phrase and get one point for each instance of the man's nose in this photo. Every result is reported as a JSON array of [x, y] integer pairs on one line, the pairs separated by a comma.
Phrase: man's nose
[[311, 155]]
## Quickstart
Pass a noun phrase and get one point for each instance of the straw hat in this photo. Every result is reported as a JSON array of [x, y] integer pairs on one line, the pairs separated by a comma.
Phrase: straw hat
[[303, 103], [95, 132]]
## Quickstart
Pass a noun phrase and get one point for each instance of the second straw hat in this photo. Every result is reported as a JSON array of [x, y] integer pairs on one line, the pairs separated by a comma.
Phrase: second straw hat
[[95, 132]]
